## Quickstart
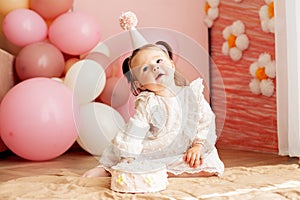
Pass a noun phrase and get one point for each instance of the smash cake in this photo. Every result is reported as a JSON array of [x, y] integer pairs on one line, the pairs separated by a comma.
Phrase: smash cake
[[139, 177]]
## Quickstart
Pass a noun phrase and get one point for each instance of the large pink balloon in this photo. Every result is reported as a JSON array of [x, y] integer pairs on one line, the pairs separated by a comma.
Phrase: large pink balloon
[[39, 59], [50, 9], [23, 26], [74, 33], [38, 119]]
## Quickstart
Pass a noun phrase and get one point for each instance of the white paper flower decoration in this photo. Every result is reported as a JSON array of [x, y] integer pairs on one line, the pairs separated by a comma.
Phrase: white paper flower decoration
[[266, 15], [236, 41], [211, 12], [263, 71]]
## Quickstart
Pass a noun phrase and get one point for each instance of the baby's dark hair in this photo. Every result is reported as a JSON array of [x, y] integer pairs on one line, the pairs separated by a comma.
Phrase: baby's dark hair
[[164, 46]]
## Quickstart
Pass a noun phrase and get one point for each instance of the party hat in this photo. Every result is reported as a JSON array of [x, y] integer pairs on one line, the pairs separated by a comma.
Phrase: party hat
[[128, 21]]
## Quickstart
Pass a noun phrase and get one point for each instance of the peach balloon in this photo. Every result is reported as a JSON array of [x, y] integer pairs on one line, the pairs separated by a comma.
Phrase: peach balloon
[[49, 22], [116, 92], [74, 33], [39, 59], [23, 26], [69, 63], [50, 9], [9, 5]]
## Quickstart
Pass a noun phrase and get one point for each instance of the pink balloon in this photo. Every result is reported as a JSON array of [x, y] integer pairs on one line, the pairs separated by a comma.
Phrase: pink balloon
[[23, 26], [74, 33], [38, 119], [50, 9], [39, 59], [116, 92]]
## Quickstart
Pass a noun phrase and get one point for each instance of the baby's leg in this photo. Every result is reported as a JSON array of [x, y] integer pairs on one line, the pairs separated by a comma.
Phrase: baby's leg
[[96, 172], [187, 175]]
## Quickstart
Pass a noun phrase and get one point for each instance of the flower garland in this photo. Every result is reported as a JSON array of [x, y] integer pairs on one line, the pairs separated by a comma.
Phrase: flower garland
[[266, 15], [263, 71], [236, 40], [211, 12]]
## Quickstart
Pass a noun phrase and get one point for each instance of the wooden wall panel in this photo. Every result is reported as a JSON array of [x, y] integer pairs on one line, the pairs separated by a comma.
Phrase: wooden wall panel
[[250, 121]]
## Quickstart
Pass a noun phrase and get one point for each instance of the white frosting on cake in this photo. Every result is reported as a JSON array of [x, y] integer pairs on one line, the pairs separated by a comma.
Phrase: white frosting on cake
[[139, 177]]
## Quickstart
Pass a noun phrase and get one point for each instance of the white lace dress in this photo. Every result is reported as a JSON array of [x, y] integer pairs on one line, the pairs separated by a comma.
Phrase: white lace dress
[[163, 128]]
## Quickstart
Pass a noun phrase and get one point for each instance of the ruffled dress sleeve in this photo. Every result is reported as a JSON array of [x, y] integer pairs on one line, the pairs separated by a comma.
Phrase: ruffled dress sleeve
[[206, 115], [129, 141]]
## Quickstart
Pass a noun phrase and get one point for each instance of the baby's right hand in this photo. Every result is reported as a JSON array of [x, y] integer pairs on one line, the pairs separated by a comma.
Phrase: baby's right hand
[[128, 160]]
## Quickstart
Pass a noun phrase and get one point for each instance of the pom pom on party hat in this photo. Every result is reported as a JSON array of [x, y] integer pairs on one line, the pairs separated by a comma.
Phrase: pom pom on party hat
[[128, 21]]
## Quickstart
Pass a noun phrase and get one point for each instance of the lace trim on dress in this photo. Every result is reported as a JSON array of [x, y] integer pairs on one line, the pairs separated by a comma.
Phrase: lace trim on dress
[[208, 169]]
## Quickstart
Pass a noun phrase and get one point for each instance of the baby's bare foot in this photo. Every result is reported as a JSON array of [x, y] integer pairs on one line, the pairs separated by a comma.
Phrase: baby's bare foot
[[96, 172]]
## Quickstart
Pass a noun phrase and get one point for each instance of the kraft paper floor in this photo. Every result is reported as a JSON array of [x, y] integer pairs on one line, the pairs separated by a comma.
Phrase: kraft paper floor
[[248, 175]]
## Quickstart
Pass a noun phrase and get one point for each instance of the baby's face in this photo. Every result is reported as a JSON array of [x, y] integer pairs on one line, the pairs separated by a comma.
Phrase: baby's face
[[153, 69]]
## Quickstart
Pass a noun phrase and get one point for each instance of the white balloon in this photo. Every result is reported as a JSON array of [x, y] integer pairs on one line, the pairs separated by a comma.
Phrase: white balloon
[[99, 125], [86, 78]]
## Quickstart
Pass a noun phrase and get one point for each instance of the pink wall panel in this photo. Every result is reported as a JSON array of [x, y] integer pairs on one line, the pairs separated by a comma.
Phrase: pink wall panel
[[250, 121], [178, 16]]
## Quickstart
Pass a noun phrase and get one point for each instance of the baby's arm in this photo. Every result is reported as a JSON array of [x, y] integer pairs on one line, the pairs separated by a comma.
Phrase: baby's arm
[[207, 116], [193, 156], [130, 140]]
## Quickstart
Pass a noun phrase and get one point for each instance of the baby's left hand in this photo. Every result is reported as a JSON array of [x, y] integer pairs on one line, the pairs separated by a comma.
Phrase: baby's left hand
[[193, 156]]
